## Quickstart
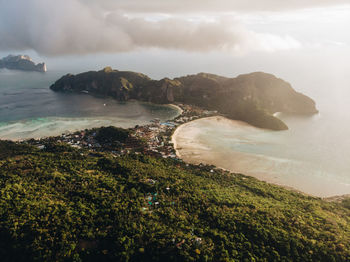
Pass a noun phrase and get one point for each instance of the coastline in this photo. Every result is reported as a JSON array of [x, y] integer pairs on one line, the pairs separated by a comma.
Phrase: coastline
[[128, 115], [188, 115], [185, 141], [216, 117], [176, 107], [191, 157]]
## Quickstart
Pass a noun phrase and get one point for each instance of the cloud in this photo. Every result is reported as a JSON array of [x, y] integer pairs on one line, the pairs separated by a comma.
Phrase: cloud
[[195, 6], [79, 27]]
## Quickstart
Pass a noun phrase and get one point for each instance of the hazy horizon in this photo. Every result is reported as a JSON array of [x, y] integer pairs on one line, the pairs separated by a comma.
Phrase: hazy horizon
[[306, 44]]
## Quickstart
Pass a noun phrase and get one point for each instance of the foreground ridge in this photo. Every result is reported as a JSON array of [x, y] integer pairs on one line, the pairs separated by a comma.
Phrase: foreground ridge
[[63, 203]]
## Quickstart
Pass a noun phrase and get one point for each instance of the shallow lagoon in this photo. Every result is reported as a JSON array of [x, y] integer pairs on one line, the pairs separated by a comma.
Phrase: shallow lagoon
[[312, 156], [29, 109]]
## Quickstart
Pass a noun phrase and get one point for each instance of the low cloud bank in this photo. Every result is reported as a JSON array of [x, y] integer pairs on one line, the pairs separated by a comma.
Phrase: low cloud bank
[[77, 27]]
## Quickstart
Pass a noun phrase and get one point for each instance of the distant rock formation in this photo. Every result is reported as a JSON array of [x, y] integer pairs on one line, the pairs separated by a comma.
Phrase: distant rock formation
[[21, 62], [252, 98]]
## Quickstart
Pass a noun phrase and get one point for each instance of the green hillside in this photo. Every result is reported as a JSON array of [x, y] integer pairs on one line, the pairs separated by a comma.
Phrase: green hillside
[[65, 204]]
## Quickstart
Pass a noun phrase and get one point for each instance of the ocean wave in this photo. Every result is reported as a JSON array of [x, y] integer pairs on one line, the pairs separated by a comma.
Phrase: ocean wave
[[53, 126], [12, 94]]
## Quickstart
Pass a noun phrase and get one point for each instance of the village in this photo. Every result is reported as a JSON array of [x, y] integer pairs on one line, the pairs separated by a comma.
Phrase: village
[[151, 139]]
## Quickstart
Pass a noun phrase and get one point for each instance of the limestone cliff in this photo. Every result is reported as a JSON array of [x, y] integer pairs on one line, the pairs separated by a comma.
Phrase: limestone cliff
[[265, 90], [252, 97], [21, 62]]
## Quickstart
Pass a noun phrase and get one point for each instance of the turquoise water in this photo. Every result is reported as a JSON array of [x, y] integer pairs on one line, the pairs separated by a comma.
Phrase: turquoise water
[[29, 109], [312, 156]]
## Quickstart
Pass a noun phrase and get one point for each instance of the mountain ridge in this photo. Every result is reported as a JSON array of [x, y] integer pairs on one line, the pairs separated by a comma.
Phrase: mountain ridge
[[252, 98]]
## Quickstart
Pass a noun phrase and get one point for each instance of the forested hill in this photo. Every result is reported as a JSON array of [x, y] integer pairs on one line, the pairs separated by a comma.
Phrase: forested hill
[[66, 204], [253, 98]]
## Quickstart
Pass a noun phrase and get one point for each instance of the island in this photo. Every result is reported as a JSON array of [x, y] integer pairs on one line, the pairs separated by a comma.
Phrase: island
[[252, 98], [21, 62]]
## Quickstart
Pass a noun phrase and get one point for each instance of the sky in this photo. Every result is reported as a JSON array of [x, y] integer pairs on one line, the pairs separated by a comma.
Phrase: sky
[[304, 42], [238, 27]]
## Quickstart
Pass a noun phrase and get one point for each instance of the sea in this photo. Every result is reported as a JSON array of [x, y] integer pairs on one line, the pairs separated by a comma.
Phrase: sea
[[29, 109], [312, 156]]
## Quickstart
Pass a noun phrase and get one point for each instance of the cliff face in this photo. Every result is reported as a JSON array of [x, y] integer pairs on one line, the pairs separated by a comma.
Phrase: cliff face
[[21, 62], [252, 97], [265, 90], [107, 82], [273, 94]]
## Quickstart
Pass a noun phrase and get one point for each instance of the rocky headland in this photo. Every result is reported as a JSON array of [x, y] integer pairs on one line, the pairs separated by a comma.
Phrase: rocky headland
[[252, 98], [21, 62]]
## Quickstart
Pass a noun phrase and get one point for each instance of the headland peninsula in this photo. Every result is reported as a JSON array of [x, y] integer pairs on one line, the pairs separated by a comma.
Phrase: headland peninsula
[[252, 98]]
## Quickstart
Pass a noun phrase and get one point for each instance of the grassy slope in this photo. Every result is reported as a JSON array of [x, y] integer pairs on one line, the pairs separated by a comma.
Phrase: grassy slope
[[68, 206]]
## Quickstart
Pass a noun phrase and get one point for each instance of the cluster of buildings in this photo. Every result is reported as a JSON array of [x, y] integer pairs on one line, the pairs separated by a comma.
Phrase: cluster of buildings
[[77, 140], [152, 139], [158, 134], [80, 140], [190, 113]]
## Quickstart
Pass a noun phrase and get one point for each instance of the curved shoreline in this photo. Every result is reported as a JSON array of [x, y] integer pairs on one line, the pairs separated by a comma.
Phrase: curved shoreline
[[219, 118], [180, 127], [103, 112], [178, 154], [197, 153], [176, 107]]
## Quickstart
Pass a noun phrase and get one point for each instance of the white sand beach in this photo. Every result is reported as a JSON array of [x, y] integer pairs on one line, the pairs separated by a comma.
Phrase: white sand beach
[[263, 154]]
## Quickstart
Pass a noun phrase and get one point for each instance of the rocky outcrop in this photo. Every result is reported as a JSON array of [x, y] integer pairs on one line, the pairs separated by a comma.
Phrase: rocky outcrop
[[273, 94], [107, 82], [21, 62], [253, 98], [265, 90]]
